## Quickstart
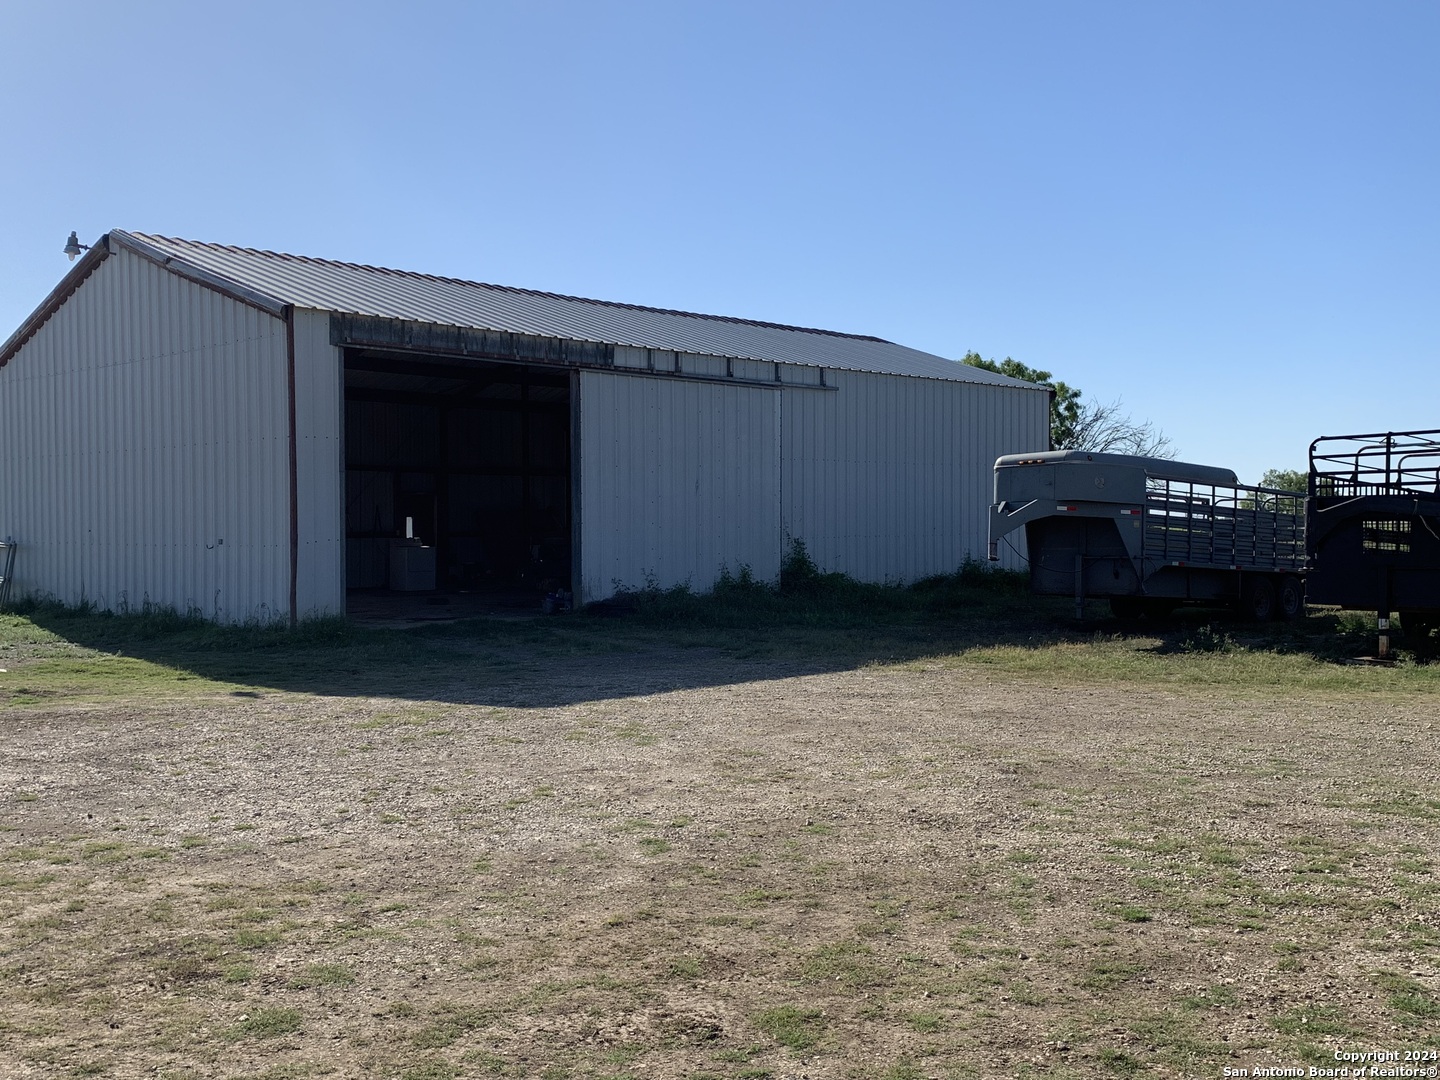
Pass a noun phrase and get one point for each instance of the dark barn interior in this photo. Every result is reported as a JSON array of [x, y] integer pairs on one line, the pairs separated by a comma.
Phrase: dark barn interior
[[457, 476]]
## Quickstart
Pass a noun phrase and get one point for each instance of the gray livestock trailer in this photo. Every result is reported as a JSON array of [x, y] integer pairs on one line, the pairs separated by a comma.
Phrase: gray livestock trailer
[[1149, 534]]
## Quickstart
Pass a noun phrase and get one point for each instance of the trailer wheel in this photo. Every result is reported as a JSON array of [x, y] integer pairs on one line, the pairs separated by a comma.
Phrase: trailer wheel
[[1417, 626], [1127, 607], [1257, 598], [1290, 598]]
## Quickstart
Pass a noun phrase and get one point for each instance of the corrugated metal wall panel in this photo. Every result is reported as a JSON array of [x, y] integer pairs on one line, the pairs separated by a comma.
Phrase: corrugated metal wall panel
[[890, 478], [630, 357], [797, 375], [757, 370], [320, 467], [144, 449], [712, 366], [677, 480]]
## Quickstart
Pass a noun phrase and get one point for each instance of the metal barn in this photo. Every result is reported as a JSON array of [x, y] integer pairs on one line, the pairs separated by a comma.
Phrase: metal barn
[[257, 436]]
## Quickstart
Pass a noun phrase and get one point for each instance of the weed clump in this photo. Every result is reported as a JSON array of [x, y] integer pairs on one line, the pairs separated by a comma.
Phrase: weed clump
[[805, 595], [799, 1029], [1207, 639], [267, 1024]]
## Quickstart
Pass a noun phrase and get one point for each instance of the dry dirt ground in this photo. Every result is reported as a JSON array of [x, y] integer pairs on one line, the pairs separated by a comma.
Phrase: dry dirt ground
[[923, 870]]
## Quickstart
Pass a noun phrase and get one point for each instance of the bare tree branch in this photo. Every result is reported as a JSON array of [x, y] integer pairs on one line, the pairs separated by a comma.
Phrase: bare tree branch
[[1108, 429]]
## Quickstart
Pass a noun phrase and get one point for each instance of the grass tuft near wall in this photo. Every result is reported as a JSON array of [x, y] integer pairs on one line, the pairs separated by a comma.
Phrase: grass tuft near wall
[[807, 596]]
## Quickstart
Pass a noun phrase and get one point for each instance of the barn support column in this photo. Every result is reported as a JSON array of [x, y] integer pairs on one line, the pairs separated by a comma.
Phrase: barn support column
[[294, 463]]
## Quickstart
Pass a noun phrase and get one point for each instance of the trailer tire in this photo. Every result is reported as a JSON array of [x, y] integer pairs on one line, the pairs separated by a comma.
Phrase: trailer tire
[[1417, 626], [1159, 607], [1257, 598], [1127, 607], [1290, 598]]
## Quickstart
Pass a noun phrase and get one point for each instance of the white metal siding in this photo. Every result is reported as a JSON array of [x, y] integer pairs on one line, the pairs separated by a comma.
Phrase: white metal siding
[[144, 449], [890, 478], [320, 467], [677, 480]]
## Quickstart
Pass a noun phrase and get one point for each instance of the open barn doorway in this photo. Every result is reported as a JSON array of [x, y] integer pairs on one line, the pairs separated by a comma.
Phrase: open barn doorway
[[457, 485]]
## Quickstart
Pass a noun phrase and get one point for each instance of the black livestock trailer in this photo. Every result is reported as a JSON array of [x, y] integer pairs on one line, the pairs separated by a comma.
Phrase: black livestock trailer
[[1373, 528]]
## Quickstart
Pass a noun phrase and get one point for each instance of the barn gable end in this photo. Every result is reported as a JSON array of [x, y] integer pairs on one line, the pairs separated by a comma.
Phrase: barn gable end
[[143, 448]]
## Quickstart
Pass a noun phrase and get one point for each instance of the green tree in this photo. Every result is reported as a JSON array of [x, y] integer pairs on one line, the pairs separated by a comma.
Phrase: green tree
[[1281, 480], [1285, 480], [1064, 400]]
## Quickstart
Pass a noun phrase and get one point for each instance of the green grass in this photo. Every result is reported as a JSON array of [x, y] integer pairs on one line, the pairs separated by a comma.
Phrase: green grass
[[975, 616], [849, 964], [267, 1023], [448, 1024], [925, 1022], [79, 653], [1118, 1063], [321, 975], [789, 1025], [1315, 1021]]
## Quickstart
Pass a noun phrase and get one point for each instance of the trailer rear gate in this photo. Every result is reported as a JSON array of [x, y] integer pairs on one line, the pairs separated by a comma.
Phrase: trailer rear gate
[[1373, 528]]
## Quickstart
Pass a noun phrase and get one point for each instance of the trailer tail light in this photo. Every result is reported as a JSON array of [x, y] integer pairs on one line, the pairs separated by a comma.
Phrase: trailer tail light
[[1063, 508], [1132, 513]]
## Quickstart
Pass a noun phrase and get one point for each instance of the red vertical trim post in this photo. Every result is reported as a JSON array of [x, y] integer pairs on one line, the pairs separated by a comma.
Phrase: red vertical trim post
[[294, 462], [577, 586]]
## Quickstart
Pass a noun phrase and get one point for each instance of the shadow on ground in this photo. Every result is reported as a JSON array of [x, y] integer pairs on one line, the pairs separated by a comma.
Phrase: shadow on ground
[[564, 660]]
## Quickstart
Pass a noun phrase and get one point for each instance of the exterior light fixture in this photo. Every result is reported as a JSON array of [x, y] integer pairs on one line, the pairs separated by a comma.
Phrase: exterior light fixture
[[73, 246]]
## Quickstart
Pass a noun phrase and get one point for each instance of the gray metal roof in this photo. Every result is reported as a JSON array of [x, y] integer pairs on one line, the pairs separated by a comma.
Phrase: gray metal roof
[[352, 288]]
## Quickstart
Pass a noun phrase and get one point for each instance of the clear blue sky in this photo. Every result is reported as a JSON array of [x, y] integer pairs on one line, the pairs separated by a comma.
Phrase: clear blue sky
[[1224, 213]]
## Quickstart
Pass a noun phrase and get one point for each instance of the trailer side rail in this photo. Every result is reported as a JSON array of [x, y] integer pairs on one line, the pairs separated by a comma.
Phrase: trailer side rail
[[1229, 526], [1381, 464]]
